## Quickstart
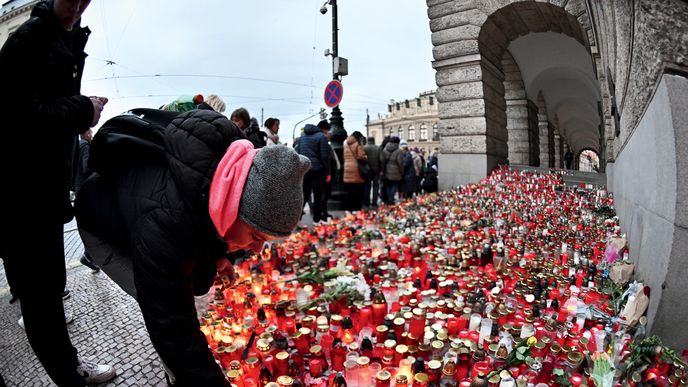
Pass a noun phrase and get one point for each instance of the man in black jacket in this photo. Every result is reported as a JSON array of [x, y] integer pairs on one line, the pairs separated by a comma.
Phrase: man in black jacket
[[313, 144], [41, 65]]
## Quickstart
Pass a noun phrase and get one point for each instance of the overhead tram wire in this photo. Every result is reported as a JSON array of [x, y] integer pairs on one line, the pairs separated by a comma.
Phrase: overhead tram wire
[[200, 76]]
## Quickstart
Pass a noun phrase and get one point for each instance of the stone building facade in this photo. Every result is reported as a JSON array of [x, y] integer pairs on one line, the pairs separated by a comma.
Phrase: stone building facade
[[12, 14], [414, 121], [521, 81]]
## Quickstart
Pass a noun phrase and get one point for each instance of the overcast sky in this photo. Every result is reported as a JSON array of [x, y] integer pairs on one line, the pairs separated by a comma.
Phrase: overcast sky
[[257, 54]]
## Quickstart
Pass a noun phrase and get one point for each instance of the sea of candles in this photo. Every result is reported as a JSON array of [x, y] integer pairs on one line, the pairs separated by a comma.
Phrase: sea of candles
[[458, 280]]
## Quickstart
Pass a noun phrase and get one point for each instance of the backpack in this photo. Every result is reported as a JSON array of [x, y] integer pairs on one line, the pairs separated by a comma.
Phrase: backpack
[[135, 137], [257, 137]]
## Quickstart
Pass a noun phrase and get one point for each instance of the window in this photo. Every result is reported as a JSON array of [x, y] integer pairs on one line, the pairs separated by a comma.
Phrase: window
[[389, 107], [398, 106], [431, 100], [412, 133], [401, 133], [418, 102], [406, 103], [423, 132], [435, 133]]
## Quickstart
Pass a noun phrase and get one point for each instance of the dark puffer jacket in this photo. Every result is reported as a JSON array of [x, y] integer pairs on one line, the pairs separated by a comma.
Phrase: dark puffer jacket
[[392, 162], [313, 144], [157, 212]]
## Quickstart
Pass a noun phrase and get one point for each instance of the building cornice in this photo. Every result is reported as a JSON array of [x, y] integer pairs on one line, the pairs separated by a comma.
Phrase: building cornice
[[26, 8]]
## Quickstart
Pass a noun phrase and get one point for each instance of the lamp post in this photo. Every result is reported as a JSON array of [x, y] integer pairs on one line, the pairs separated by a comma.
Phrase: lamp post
[[339, 69], [339, 135]]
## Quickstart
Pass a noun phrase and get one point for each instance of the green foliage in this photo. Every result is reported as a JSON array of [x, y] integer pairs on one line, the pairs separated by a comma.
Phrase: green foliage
[[644, 353], [563, 378]]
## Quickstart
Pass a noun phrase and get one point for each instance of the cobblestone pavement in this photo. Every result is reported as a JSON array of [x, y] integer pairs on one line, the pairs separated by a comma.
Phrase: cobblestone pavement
[[108, 327]]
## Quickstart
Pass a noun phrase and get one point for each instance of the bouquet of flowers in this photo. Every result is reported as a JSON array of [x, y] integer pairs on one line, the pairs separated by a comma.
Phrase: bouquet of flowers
[[602, 370], [344, 287]]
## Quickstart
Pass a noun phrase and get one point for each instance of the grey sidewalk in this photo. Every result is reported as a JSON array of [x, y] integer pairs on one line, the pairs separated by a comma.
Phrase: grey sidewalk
[[107, 327]]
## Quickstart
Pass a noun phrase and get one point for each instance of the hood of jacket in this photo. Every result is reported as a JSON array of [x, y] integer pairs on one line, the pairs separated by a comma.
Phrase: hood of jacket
[[195, 142], [391, 147], [351, 140], [311, 129]]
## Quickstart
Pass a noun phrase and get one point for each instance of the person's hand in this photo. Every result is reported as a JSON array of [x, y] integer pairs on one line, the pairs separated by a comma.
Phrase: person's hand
[[98, 104], [328, 178], [225, 268]]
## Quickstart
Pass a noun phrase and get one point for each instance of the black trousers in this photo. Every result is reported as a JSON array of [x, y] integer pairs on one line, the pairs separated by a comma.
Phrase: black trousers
[[314, 181], [354, 196], [38, 276]]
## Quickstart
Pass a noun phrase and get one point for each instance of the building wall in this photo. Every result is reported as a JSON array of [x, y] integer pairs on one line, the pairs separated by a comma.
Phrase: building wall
[[640, 54], [407, 119], [12, 15]]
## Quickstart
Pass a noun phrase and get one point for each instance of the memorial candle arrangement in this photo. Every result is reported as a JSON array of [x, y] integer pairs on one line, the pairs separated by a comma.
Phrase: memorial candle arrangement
[[502, 283]]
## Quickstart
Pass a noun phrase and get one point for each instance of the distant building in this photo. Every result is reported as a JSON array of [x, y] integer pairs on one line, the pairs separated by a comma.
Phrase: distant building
[[12, 14], [414, 121]]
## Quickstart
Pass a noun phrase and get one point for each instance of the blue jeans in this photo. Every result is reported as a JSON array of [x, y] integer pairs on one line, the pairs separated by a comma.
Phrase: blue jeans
[[391, 188], [374, 183]]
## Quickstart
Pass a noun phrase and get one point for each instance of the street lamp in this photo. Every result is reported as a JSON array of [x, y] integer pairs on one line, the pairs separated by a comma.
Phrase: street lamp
[[339, 69]]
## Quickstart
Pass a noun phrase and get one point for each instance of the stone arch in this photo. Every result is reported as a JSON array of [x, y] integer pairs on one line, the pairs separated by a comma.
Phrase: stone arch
[[580, 161], [470, 40]]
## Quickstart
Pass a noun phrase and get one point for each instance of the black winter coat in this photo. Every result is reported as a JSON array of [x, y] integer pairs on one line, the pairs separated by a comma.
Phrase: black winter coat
[[157, 212], [313, 144], [41, 108]]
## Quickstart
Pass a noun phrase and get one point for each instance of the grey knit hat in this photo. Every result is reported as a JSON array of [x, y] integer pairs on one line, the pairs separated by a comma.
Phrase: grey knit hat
[[272, 199]]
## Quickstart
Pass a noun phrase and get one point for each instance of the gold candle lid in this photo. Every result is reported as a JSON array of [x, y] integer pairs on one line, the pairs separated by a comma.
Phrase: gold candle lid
[[336, 318], [435, 365], [363, 361], [323, 328], [263, 345], [381, 328], [383, 375], [285, 380], [283, 355], [272, 384], [421, 377], [390, 343], [354, 347], [305, 331], [399, 321], [316, 350], [401, 348], [233, 375], [252, 361], [437, 345]]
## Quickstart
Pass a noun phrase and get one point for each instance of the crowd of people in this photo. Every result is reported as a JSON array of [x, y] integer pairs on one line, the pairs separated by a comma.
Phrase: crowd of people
[[371, 174]]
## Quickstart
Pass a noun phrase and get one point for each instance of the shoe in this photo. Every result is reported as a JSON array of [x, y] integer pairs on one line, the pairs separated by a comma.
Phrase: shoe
[[95, 373], [13, 299], [88, 263], [66, 294], [69, 318]]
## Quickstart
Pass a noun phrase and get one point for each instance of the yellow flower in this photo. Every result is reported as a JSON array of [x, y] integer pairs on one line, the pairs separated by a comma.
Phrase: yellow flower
[[532, 340]]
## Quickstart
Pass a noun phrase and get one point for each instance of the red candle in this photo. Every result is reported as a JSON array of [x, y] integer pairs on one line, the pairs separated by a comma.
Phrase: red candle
[[315, 367], [364, 316]]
